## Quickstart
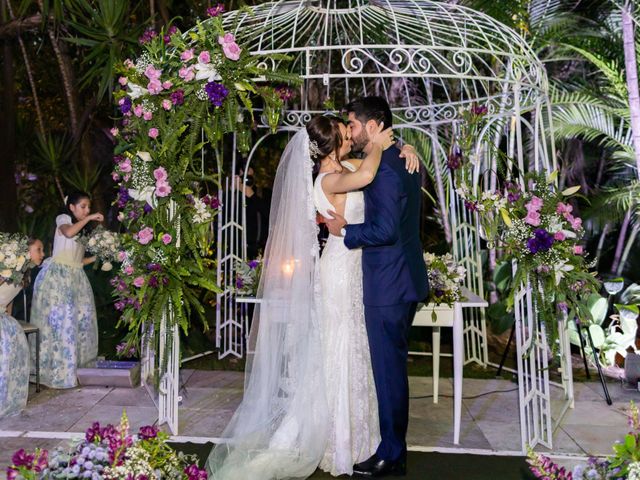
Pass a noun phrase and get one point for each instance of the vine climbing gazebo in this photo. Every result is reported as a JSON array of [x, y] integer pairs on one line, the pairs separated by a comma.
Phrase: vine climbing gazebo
[[432, 61]]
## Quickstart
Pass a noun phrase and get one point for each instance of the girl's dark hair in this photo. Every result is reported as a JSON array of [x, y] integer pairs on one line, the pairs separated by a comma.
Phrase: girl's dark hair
[[325, 131], [73, 199]]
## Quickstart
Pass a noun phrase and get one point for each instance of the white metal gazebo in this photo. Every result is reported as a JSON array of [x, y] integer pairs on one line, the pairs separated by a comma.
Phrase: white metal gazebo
[[431, 60]]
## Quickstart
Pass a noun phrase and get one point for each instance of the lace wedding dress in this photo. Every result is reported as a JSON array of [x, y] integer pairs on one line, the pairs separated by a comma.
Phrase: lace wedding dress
[[354, 432]]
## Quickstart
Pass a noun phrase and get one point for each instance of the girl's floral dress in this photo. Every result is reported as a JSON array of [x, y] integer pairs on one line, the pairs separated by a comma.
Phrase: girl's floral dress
[[14, 357], [64, 310]]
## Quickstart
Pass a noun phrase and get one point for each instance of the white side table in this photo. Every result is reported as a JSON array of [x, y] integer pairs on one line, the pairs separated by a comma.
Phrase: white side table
[[448, 317]]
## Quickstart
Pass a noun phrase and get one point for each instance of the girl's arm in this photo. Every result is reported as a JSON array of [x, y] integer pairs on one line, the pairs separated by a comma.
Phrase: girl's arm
[[88, 260], [70, 230]]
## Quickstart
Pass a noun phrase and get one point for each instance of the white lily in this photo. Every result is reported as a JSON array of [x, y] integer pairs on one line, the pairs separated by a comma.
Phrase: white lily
[[144, 195], [206, 71], [144, 156], [560, 270], [136, 91]]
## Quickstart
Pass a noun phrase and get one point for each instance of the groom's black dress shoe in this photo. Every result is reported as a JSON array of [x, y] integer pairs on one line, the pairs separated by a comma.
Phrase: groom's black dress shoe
[[375, 467]]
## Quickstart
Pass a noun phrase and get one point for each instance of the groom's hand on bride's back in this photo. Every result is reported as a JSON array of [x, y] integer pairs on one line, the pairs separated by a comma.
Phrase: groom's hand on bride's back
[[335, 224]]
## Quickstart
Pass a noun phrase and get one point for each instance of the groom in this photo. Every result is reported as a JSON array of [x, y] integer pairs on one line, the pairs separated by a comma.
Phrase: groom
[[394, 278]]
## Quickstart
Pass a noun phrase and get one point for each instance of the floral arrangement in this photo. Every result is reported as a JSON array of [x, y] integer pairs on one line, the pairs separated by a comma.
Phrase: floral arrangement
[[14, 257], [536, 228], [248, 277], [445, 278], [104, 244], [624, 464], [178, 98], [109, 453]]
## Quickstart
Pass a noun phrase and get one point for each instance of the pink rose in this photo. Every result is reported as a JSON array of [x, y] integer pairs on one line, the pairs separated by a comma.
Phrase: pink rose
[[160, 174], [163, 189], [152, 73], [167, 85], [166, 104], [139, 282], [145, 235], [563, 208], [147, 115], [115, 177], [153, 132], [154, 87], [186, 55], [204, 57], [125, 165], [137, 110], [230, 48], [576, 223], [166, 239], [114, 131], [578, 249], [126, 177], [535, 204], [123, 81], [532, 218], [122, 256], [186, 73], [128, 63], [559, 236], [128, 269]]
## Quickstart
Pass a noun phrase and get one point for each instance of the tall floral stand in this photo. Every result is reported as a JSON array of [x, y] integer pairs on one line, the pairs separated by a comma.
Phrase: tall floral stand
[[536, 420]]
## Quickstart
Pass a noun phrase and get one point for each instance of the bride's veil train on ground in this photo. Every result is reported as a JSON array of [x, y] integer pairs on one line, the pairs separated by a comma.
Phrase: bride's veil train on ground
[[279, 430]]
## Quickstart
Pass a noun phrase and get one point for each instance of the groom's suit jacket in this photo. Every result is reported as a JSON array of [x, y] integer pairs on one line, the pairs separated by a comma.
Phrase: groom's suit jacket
[[393, 267]]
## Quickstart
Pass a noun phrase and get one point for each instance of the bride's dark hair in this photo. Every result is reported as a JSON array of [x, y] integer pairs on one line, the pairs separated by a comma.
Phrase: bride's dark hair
[[324, 130]]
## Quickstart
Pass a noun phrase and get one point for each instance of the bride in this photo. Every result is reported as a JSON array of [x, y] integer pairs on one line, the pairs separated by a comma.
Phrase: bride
[[309, 398]]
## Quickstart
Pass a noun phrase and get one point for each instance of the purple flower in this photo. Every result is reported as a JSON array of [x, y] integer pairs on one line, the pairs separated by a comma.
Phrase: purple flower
[[284, 92], [216, 92], [211, 201], [154, 267], [22, 459], [239, 282], [195, 473], [454, 159], [119, 305], [479, 110], [125, 105], [215, 11], [253, 264], [172, 29], [148, 432], [541, 241], [177, 97], [147, 208], [153, 281], [562, 307], [94, 432], [471, 206], [148, 35]]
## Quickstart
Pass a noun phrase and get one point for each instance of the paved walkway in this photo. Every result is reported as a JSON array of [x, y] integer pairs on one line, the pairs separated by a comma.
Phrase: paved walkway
[[490, 421]]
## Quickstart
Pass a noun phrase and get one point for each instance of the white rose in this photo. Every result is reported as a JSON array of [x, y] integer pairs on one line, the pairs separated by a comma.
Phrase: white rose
[[92, 242], [106, 267], [144, 156], [20, 262], [5, 273]]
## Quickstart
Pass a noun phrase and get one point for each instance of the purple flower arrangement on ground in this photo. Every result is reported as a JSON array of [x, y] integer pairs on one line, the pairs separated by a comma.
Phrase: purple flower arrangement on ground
[[178, 98], [109, 453], [624, 464]]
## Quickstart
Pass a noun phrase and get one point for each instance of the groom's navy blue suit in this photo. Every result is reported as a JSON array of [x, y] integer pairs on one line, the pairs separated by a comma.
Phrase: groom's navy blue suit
[[395, 279]]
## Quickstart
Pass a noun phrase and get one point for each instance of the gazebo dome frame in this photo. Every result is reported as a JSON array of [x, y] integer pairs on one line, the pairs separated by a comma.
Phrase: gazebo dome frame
[[430, 60]]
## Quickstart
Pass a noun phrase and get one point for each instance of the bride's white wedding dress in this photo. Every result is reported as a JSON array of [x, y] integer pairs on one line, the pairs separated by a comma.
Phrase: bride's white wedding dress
[[354, 432]]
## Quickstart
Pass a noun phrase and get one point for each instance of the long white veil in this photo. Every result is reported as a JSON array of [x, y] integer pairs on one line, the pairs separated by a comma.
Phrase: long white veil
[[279, 431]]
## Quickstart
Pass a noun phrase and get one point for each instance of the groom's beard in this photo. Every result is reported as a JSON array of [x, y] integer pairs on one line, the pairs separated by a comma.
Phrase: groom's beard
[[358, 143]]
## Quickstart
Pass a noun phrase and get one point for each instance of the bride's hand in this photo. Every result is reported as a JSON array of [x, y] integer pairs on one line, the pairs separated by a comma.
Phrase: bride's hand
[[413, 160], [383, 138]]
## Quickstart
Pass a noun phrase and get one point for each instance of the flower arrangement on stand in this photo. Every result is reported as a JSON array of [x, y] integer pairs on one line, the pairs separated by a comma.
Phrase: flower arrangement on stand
[[445, 280], [104, 244], [109, 453], [14, 257], [248, 277], [178, 99]]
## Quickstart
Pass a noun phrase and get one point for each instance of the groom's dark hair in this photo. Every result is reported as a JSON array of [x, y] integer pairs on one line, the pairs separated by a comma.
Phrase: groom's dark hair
[[371, 108]]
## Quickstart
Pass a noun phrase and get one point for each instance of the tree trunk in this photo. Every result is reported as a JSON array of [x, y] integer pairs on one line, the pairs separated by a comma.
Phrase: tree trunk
[[8, 193], [627, 248], [620, 245], [32, 83], [631, 71]]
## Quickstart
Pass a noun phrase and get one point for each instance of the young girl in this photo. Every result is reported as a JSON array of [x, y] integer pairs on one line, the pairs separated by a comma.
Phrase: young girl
[[14, 349], [63, 306]]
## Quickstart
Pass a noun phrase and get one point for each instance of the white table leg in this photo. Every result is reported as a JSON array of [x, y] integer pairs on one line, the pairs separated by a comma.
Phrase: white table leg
[[458, 356], [435, 345]]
